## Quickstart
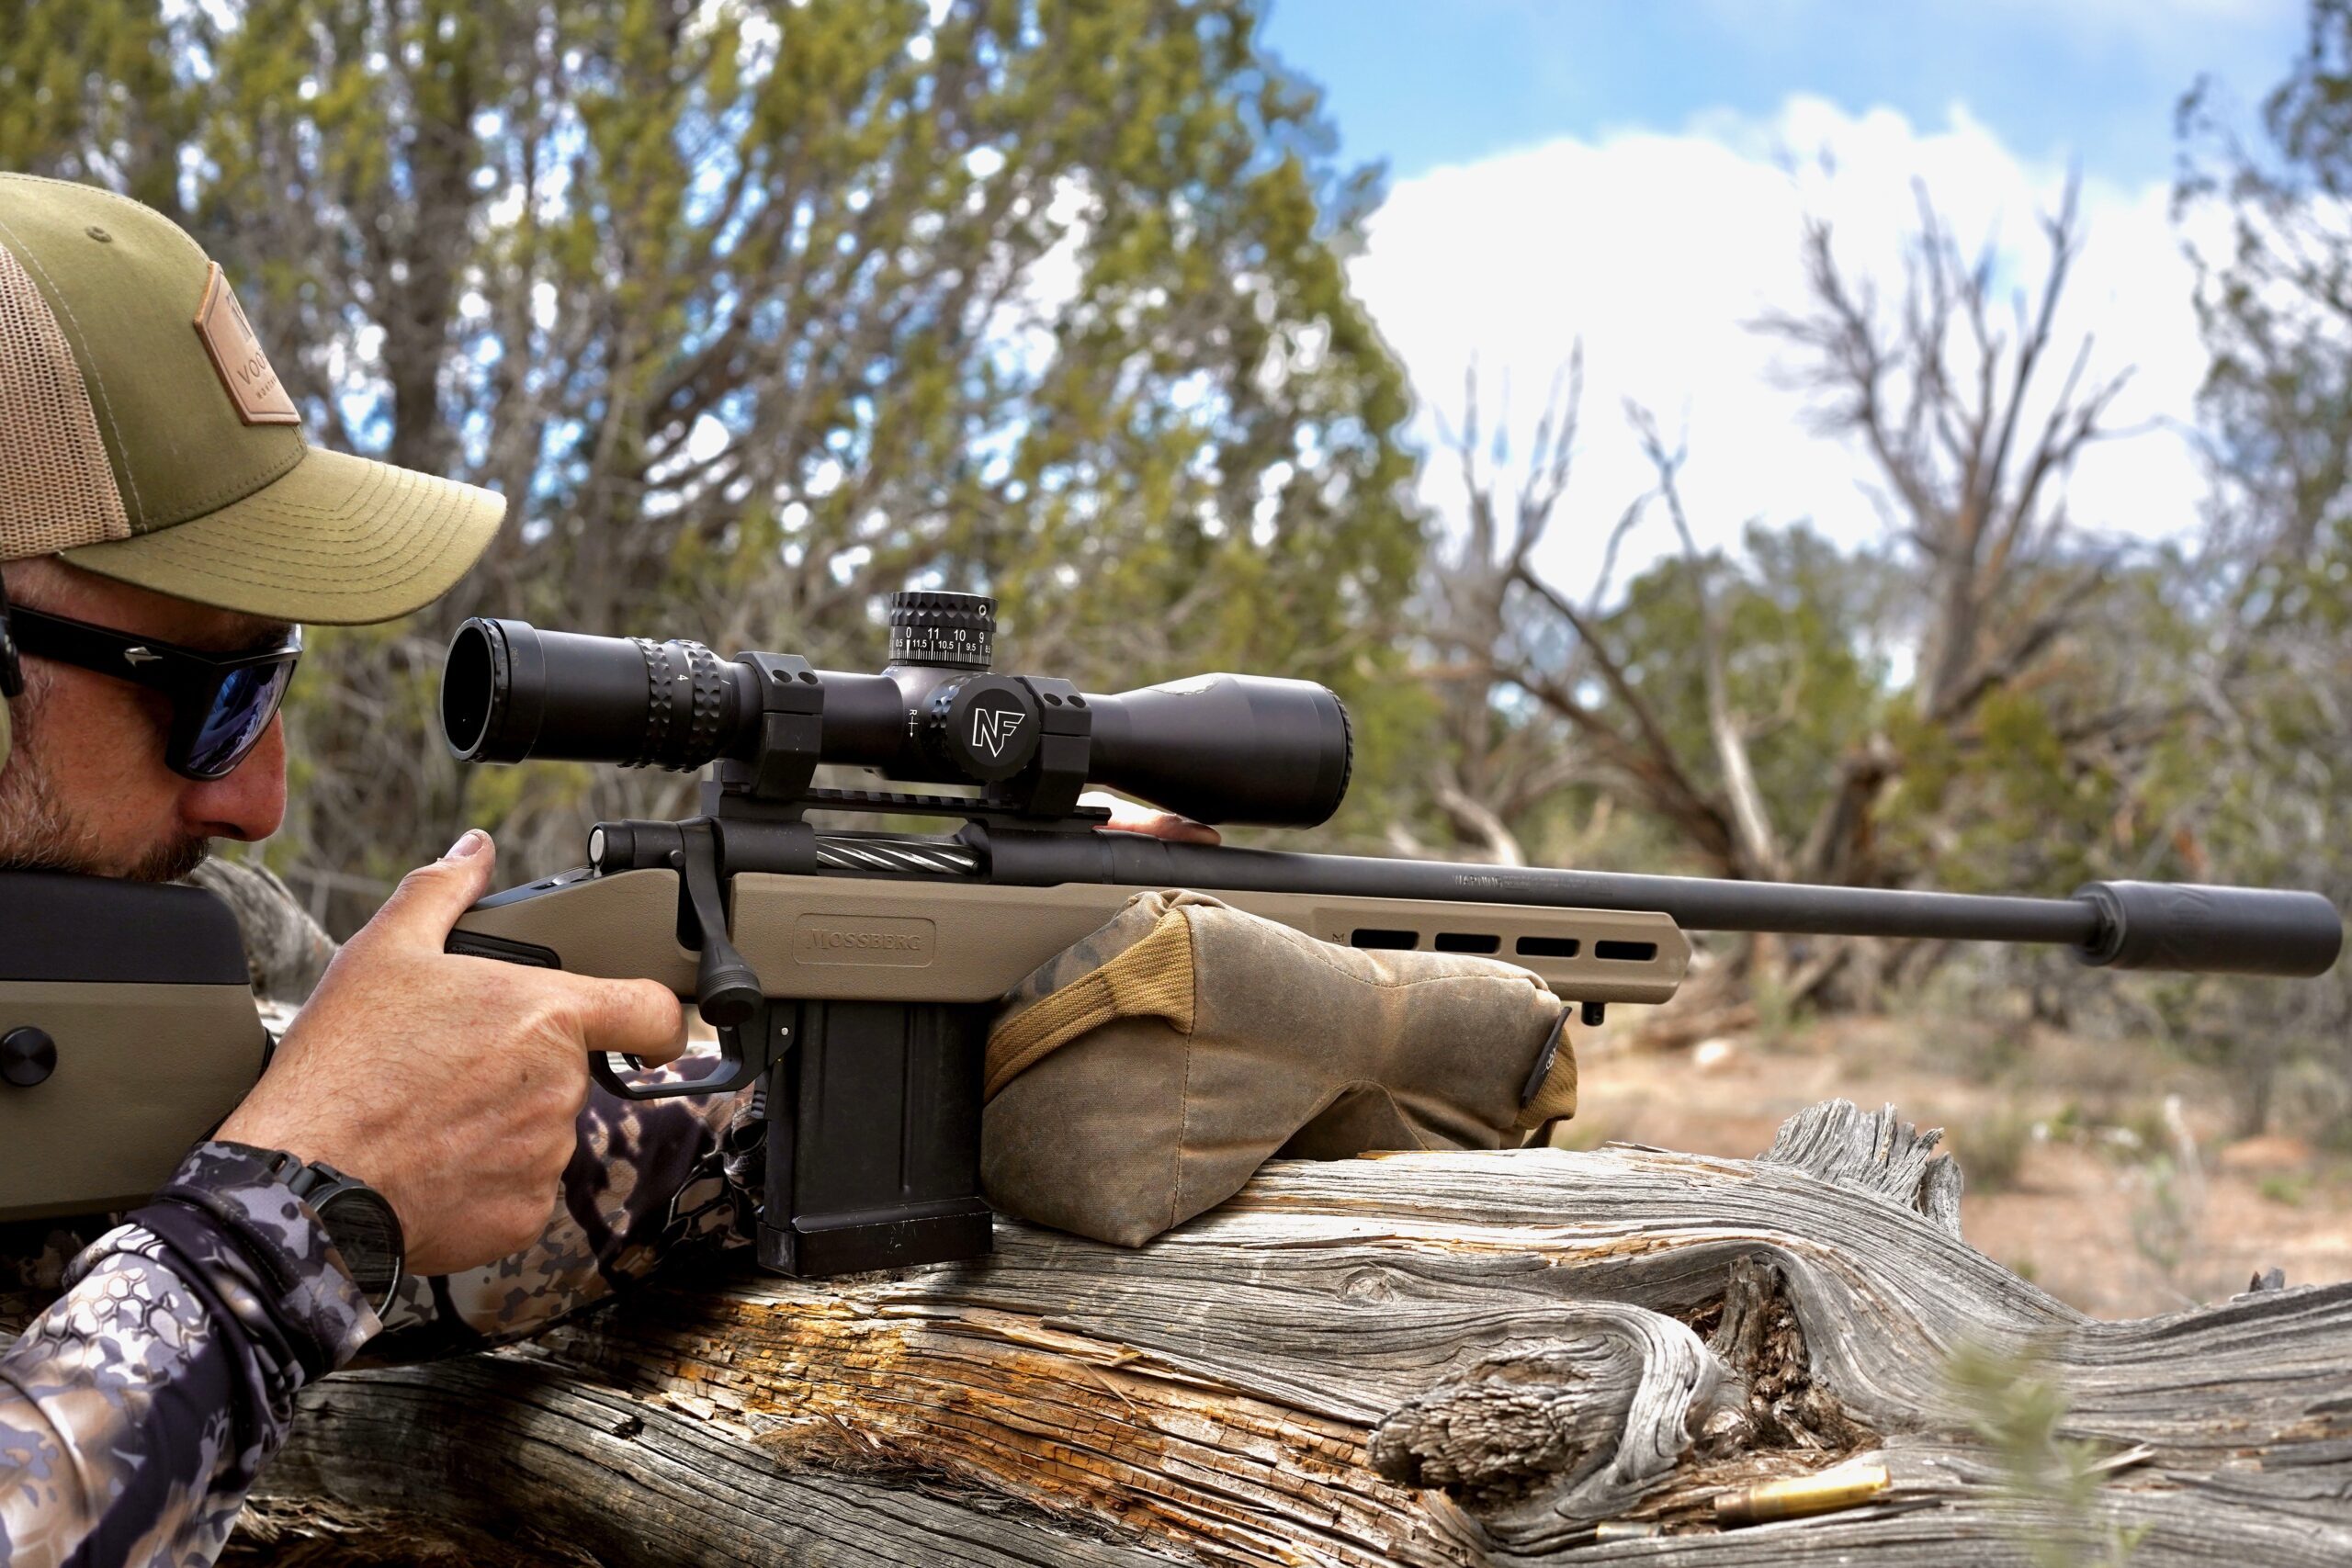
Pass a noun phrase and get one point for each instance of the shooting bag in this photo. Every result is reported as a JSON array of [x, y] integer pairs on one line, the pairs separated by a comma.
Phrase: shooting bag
[[1145, 1073]]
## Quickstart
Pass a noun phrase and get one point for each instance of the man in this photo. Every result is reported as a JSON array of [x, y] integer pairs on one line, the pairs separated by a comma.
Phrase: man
[[164, 529]]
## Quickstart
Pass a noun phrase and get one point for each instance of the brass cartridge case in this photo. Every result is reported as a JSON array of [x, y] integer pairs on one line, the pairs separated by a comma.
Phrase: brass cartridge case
[[1845, 1486]]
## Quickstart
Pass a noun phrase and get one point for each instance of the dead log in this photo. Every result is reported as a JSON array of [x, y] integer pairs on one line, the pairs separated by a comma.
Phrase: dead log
[[1444, 1359]]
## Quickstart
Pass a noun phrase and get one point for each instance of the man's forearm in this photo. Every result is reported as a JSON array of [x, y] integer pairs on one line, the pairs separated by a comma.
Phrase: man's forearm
[[136, 1412], [646, 1178]]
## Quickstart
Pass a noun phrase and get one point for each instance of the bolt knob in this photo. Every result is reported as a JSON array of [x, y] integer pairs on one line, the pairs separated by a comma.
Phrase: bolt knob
[[946, 631]]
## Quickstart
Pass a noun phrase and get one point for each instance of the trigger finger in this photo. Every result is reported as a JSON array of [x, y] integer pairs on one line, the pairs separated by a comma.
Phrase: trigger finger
[[637, 1018]]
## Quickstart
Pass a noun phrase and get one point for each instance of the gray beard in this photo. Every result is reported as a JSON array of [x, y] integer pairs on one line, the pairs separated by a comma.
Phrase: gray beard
[[40, 832]]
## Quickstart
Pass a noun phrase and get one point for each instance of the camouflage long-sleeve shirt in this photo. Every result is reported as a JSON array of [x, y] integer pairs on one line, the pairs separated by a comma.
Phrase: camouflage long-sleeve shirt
[[138, 1406]]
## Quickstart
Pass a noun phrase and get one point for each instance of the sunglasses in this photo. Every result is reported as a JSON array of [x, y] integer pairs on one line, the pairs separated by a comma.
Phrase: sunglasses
[[221, 703]]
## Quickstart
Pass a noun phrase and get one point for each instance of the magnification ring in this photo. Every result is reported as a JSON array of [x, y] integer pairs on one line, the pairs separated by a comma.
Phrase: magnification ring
[[658, 684], [708, 705]]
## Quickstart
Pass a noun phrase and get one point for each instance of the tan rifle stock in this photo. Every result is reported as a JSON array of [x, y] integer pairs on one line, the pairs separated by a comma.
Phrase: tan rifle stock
[[127, 1030], [841, 939]]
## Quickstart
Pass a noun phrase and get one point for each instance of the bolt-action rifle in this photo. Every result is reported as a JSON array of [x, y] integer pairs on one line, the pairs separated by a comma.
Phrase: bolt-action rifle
[[856, 972]]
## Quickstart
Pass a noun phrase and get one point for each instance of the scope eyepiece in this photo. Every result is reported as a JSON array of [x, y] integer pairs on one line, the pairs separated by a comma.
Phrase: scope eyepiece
[[1218, 749], [510, 691]]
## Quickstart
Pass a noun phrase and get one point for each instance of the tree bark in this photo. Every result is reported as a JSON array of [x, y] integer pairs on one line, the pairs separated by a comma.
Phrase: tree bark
[[1432, 1359]]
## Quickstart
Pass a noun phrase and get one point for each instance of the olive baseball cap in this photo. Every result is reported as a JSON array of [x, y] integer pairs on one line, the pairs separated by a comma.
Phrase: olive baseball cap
[[144, 436]]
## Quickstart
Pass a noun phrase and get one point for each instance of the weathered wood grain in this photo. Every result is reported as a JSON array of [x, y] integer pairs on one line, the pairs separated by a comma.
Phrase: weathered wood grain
[[1440, 1359]]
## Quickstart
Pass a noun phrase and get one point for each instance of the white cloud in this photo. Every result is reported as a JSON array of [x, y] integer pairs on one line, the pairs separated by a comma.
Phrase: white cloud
[[1660, 250]]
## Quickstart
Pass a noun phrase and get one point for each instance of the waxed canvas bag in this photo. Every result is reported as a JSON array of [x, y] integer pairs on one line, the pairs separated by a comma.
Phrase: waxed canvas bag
[[1144, 1075]]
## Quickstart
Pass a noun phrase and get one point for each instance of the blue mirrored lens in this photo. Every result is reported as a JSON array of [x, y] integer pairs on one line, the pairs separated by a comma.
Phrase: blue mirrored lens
[[241, 710]]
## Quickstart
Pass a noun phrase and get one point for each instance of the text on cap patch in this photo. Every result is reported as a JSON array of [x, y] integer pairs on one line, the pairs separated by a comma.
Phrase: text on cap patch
[[260, 397]]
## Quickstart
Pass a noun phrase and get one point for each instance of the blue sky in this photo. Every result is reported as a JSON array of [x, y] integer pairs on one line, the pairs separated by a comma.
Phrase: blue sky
[[1422, 82], [1634, 177]]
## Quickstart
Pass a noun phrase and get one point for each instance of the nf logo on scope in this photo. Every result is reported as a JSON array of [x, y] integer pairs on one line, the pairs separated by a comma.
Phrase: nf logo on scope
[[992, 728]]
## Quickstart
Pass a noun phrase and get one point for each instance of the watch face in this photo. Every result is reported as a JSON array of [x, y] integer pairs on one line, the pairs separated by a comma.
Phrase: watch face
[[368, 1233]]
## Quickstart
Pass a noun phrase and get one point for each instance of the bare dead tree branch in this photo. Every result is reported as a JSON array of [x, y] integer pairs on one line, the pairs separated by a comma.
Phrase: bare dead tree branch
[[1759, 844]]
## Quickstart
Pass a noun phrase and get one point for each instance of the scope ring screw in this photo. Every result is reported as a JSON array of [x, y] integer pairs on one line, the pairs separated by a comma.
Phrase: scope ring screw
[[28, 1055]]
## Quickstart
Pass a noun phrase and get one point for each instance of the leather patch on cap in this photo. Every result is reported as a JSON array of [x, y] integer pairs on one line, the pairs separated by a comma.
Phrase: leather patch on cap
[[259, 396]]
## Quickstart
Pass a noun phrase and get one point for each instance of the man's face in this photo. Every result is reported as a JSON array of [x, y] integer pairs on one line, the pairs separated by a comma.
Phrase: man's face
[[85, 789]]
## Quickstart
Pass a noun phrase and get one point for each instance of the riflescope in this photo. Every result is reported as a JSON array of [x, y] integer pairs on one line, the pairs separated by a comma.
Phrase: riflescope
[[1227, 749]]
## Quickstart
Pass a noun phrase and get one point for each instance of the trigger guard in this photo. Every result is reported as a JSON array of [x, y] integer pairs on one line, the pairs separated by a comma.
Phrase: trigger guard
[[600, 1067]]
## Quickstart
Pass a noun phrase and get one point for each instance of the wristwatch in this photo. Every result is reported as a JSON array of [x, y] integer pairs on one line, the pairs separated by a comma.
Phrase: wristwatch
[[359, 1221]]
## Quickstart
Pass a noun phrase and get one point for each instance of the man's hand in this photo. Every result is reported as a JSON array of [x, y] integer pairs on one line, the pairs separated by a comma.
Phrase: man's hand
[[1127, 816], [450, 1085]]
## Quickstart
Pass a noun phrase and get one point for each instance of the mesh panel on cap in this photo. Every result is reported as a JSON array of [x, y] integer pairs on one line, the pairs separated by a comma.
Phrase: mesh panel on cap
[[56, 489]]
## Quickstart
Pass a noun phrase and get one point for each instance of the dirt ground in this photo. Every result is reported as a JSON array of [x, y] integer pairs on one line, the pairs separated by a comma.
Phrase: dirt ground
[[2099, 1170]]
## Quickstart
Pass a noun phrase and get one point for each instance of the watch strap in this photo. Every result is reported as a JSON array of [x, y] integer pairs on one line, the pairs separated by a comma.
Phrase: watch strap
[[316, 1184], [225, 1200], [215, 1178], [315, 1177]]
